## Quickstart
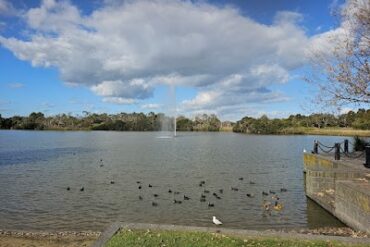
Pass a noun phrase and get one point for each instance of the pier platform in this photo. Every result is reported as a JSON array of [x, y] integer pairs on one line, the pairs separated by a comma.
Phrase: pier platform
[[342, 187]]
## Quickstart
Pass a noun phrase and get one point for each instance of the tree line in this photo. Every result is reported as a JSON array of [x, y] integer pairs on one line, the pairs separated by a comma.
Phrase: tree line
[[154, 122], [264, 125], [119, 122]]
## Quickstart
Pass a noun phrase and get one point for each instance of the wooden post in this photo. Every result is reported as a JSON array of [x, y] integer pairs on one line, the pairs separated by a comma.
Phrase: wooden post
[[346, 146], [367, 157], [337, 151], [315, 147]]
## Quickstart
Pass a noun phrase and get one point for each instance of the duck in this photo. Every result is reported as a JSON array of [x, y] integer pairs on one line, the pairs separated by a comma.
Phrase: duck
[[139, 187], [251, 182], [186, 198], [112, 182], [272, 192], [169, 191], [250, 195], [283, 190], [150, 186], [202, 182], [202, 199], [140, 198], [176, 192], [266, 205], [202, 196], [241, 179], [155, 195], [177, 201], [211, 204], [82, 189], [154, 204], [138, 182], [206, 191], [278, 206], [265, 193], [275, 197], [221, 191], [234, 189], [214, 193], [68, 188], [216, 221]]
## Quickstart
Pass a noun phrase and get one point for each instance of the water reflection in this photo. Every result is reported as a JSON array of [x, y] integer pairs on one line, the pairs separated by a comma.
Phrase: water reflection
[[34, 194]]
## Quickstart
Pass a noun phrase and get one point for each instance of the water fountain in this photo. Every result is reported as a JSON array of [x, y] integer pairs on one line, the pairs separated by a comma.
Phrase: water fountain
[[168, 121]]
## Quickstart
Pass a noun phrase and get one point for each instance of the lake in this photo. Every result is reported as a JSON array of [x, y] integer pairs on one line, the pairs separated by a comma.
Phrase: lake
[[36, 167]]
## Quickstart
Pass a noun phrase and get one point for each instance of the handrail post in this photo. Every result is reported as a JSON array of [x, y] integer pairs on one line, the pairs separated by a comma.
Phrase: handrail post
[[367, 158], [315, 147], [337, 151], [346, 146]]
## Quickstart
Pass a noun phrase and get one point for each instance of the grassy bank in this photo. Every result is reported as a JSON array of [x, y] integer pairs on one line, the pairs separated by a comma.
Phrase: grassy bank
[[179, 238], [326, 131]]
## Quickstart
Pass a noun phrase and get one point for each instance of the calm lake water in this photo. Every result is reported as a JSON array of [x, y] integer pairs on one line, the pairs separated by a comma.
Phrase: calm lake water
[[36, 167]]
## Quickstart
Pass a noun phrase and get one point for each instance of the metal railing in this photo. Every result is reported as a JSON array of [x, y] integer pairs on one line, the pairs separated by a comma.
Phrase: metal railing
[[339, 150]]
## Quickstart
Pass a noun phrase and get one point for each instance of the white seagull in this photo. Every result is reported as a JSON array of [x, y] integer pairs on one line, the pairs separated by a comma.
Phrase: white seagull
[[216, 221]]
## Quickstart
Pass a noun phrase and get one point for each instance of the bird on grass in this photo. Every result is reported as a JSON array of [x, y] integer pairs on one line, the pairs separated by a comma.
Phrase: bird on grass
[[234, 189], [150, 186], [216, 221], [241, 179], [186, 198], [154, 204], [250, 195], [206, 191], [139, 187], [112, 182], [82, 189], [68, 188], [202, 200], [283, 190], [211, 204], [177, 201], [155, 195], [265, 193], [169, 191]]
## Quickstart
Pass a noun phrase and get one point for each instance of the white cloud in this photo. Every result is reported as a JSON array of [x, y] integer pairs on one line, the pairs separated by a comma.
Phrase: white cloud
[[123, 49], [16, 85], [6, 8], [151, 106], [119, 100]]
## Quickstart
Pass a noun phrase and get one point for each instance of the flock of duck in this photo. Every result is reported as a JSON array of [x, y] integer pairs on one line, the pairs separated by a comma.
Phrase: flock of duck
[[206, 195], [267, 204]]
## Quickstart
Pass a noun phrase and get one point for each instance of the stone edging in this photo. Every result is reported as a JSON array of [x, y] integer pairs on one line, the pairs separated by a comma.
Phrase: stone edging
[[114, 228]]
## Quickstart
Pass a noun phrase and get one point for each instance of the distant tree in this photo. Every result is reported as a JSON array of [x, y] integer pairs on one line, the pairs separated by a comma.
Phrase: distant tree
[[343, 76]]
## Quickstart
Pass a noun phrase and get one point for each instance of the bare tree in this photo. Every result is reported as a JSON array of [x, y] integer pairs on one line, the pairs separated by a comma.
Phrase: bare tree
[[342, 72]]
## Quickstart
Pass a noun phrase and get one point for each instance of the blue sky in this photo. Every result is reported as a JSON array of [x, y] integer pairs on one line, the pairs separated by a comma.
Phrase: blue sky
[[232, 58]]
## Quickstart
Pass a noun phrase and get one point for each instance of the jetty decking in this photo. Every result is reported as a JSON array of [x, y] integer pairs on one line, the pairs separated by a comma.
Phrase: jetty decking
[[342, 187]]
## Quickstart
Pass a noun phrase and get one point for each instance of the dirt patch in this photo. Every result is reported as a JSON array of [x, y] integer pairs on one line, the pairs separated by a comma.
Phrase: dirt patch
[[44, 239]]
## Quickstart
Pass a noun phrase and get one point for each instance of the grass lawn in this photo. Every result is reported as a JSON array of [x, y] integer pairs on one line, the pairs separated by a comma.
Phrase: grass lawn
[[199, 239]]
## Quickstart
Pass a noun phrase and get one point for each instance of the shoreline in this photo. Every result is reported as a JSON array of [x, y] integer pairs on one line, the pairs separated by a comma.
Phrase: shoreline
[[88, 238], [286, 132]]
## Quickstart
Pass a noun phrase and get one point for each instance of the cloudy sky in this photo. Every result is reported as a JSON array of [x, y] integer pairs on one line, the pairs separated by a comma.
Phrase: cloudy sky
[[232, 58]]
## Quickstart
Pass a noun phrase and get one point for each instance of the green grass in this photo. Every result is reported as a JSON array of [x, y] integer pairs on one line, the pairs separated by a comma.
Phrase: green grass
[[200, 239]]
